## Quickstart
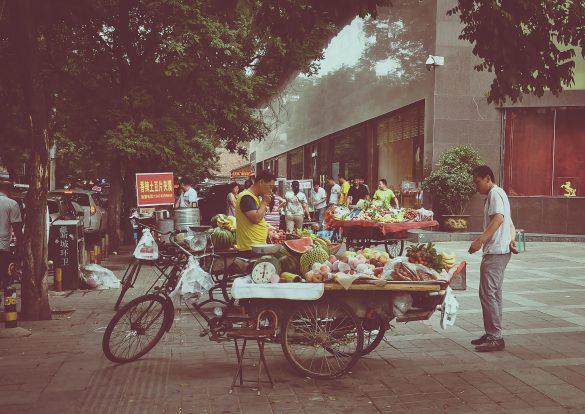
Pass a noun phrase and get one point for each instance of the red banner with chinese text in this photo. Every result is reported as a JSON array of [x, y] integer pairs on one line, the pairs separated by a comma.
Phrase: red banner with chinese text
[[154, 189]]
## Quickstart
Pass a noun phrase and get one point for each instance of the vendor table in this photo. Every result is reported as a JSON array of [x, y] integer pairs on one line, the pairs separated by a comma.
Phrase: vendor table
[[360, 234]]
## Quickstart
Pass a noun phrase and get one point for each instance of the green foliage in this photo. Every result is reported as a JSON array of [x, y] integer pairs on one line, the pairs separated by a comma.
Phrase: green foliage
[[529, 45], [451, 182]]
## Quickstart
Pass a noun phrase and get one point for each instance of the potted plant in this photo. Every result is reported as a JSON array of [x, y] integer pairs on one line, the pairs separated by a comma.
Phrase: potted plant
[[451, 185]]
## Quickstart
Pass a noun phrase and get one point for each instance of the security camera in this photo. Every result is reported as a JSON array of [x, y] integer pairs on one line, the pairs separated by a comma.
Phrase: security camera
[[434, 61]]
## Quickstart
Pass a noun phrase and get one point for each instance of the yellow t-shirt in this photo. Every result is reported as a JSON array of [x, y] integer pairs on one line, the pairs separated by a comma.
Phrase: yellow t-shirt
[[343, 195], [249, 233]]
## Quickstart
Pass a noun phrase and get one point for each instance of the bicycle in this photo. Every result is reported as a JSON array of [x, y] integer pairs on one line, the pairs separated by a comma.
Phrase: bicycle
[[170, 263], [138, 326]]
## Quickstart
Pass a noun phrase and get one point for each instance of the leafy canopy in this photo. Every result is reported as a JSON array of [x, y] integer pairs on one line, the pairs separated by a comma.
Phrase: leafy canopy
[[529, 45]]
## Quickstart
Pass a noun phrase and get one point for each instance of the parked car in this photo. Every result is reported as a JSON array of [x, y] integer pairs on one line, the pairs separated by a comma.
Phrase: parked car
[[95, 219], [60, 207]]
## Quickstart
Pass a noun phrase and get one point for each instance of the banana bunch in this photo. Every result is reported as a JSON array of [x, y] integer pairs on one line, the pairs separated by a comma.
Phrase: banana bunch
[[227, 222], [447, 260], [321, 242]]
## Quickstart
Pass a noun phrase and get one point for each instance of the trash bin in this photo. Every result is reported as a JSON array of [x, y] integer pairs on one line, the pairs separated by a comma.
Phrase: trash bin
[[66, 246]]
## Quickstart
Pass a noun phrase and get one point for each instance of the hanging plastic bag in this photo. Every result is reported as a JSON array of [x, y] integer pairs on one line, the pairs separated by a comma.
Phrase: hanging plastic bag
[[146, 249], [97, 277], [193, 281], [449, 309]]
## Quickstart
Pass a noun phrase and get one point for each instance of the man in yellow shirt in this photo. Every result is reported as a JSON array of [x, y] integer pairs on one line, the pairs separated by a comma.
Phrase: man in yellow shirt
[[344, 184], [251, 206], [385, 195]]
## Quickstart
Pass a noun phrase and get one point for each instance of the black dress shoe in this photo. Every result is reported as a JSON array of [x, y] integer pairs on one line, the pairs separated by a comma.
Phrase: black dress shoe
[[481, 340], [491, 345]]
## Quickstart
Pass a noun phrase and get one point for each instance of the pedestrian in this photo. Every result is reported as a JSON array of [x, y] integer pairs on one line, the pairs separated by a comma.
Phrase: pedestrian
[[188, 196], [273, 216], [334, 191], [319, 203], [10, 221], [234, 188], [357, 192], [498, 241], [295, 207], [385, 195], [251, 207], [344, 184]]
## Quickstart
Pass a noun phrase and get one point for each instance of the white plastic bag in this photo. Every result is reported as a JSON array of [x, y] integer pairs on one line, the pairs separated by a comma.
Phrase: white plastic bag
[[146, 249], [98, 277], [193, 281], [401, 304], [449, 309]]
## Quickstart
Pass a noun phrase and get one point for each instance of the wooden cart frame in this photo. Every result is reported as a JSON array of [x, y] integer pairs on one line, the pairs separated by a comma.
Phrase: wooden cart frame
[[324, 338]]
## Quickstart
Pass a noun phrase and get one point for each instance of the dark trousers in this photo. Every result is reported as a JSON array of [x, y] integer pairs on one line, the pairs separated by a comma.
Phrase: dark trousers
[[5, 259]]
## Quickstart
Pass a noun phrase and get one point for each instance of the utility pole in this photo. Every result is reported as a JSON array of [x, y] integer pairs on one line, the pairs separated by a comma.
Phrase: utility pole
[[52, 163]]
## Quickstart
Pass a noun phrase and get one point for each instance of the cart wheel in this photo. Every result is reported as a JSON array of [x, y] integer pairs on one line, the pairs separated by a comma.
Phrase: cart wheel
[[374, 331], [394, 247], [322, 339], [136, 328]]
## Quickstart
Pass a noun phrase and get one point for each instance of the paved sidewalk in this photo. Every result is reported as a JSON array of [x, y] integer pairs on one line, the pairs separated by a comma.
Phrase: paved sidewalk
[[60, 368]]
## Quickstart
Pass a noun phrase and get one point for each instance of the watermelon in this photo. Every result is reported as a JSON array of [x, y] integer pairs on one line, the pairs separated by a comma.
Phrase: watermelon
[[299, 246], [289, 264], [222, 239]]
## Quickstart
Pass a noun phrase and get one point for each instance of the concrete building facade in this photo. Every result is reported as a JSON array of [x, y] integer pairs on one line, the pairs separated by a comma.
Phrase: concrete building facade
[[375, 111]]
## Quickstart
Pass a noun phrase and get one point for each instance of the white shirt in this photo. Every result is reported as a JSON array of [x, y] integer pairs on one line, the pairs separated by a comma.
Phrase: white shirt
[[318, 198], [9, 214], [294, 203], [335, 191], [188, 197], [497, 203]]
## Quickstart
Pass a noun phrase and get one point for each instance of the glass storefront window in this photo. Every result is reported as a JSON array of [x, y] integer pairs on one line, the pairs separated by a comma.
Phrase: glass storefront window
[[350, 152], [295, 160], [543, 152]]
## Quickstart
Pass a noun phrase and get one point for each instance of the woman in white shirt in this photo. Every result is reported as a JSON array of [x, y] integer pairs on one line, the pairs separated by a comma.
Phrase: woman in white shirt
[[295, 207]]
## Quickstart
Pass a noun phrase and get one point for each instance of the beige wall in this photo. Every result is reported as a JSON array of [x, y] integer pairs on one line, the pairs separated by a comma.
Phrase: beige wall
[[227, 162]]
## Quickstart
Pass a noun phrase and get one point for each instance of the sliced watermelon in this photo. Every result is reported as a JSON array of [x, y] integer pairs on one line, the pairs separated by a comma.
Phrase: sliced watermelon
[[299, 246]]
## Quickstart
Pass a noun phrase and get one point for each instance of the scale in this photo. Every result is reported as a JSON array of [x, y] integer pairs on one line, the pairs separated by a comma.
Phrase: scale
[[264, 268]]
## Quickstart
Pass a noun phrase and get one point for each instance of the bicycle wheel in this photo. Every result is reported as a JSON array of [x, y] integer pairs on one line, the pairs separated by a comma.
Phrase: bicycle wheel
[[136, 328], [322, 339], [374, 331], [128, 280]]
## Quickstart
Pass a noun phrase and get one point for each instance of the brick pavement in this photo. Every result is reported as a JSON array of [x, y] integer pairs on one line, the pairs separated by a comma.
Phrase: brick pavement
[[60, 368]]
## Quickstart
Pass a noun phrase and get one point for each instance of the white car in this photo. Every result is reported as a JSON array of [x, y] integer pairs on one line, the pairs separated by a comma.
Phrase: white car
[[95, 218]]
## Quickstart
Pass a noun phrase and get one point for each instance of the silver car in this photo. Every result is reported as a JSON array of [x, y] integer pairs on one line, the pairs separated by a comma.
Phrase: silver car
[[95, 218]]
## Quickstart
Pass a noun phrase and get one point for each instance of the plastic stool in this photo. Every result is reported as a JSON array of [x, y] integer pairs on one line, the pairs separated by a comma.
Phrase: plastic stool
[[521, 240]]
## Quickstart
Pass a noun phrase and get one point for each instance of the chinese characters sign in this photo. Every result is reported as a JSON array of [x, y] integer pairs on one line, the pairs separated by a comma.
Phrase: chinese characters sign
[[64, 247], [154, 189]]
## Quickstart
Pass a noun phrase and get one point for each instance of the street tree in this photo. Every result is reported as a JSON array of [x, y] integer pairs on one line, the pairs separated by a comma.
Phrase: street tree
[[136, 80], [530, 45]]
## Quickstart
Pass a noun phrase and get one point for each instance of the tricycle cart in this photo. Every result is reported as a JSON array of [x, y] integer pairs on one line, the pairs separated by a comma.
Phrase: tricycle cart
[[360, 234], [325, 329]]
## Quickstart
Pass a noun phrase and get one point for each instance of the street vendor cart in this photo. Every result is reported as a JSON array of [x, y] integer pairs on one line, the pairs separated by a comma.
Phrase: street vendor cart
[[325, 328], [360, 234]]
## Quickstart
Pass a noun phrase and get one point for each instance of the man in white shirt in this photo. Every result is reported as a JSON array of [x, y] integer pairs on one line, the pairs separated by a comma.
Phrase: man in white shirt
[[295, 207], [10, 220], [319, 202], [498, 240], [188, 197], [334, 192]]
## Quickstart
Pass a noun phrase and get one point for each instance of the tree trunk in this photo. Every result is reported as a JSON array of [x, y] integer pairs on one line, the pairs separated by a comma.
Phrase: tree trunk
[[115, 203], [129, 202], [35, 298]]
